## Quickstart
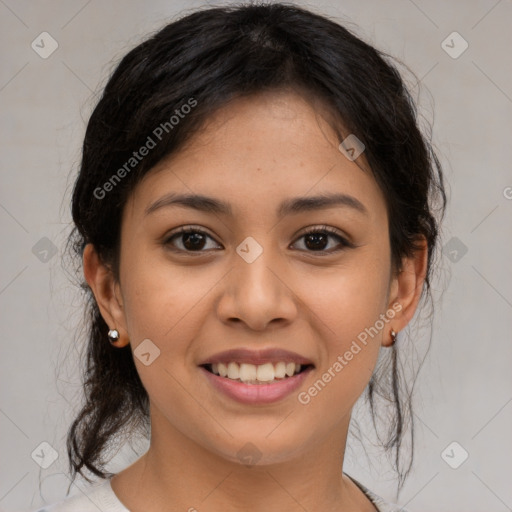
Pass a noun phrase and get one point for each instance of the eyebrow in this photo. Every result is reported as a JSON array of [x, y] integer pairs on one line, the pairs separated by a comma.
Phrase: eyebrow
[[287, 207]]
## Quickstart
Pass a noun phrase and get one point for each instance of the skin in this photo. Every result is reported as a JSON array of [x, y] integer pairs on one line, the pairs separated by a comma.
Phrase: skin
[[254, 153]]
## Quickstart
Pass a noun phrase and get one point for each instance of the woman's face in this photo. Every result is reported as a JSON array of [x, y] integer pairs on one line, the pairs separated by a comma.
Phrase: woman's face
[[252, 280]]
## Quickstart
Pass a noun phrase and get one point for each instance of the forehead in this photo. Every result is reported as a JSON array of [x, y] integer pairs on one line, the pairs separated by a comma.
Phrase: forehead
[[257, 151]]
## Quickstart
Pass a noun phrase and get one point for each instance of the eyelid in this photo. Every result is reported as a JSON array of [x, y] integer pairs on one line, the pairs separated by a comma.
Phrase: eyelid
[[321, 228]]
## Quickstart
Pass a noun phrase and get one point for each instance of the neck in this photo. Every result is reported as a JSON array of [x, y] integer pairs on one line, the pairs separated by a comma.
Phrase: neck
[[183, 473]]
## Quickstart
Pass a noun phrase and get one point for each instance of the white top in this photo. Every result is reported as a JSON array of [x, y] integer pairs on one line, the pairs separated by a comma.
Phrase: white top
[[103, 498], [100, 498]]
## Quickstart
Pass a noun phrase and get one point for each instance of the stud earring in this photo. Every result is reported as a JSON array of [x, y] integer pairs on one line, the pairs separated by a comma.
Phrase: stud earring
[[113, 335], [393, 336]]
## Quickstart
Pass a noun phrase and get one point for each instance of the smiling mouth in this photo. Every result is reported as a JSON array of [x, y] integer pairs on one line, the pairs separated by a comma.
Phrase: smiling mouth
[[267, 373]]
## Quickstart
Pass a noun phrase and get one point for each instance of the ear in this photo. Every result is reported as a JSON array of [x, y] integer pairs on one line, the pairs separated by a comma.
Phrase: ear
[[405, 289], [105, 289]]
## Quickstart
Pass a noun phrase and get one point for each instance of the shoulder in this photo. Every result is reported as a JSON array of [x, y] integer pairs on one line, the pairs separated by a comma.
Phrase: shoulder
[[383, 505], [100, 497], [380, 504]]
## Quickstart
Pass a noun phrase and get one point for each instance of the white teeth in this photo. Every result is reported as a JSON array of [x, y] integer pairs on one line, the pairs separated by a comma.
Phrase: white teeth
[[280, 370], [247, 372], [265, 372], [223, 370], [290, 369], [233, 371], [253, 374]]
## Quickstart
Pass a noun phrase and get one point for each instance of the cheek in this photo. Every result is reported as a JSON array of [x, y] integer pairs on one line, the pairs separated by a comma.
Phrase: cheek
[[349, 298], [165, 304], [347, 311], [347, 305], [155, 294]]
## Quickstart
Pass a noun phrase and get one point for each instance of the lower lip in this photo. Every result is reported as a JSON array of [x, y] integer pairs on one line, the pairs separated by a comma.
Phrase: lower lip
[[256, 393]]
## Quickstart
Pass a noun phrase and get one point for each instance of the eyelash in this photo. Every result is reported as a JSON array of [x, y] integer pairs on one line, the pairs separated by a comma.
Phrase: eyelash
[[317, 230]]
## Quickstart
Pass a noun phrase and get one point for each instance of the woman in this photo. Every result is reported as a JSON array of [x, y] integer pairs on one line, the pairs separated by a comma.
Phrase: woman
[[255, 217]]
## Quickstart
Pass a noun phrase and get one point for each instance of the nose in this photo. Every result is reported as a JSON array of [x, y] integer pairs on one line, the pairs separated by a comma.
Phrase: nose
[[257, 294]]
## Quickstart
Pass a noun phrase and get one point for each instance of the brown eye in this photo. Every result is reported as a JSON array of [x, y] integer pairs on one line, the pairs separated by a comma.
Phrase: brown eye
[[317, 240], [192, 240]]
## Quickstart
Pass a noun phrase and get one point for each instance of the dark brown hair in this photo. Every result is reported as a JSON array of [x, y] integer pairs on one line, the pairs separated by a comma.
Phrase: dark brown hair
[[215, 55]]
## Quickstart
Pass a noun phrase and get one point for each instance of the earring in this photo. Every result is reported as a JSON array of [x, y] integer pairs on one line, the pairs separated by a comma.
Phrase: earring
[[113, 335], [393, 336]]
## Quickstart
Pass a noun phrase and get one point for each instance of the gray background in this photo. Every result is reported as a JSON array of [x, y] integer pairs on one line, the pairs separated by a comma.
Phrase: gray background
[[465, 386]]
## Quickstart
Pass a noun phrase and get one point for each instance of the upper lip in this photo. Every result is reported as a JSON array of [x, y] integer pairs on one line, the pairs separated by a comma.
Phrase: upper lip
[[256, 357]]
